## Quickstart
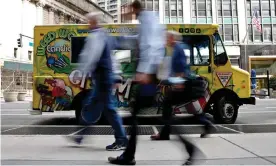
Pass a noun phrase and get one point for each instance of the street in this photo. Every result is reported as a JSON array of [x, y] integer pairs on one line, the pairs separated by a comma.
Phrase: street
[[42, 138]]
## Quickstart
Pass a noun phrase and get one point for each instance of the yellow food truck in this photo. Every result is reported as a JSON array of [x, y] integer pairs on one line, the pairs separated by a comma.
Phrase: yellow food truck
[[60, 86]]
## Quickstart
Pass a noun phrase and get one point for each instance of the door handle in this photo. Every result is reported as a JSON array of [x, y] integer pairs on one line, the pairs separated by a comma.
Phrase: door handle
[[209, 69]]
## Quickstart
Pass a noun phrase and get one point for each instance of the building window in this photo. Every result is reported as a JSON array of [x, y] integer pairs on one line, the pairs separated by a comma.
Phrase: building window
[[201, 11], [173, 11], [264, 11], [228, 20], [149, 4], [156, 5], [30, 55], [15, 52], [228, 32]]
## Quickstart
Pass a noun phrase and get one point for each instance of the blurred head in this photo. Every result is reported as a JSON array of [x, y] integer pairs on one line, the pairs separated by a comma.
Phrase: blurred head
[[93, 19], [172, 37], [136, 7]]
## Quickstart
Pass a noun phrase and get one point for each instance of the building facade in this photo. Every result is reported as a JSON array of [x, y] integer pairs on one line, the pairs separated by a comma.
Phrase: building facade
[[18, 19], [113, 7], [246, 46]]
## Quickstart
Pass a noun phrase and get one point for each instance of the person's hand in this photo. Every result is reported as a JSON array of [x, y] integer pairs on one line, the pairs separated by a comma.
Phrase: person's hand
[[143, 78]]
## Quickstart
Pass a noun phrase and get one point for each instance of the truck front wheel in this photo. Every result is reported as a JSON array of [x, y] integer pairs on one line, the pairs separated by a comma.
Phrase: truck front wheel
[[225, 111]]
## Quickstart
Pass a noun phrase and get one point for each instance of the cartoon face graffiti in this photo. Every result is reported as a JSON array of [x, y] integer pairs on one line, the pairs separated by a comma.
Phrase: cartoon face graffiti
[[55, 95]]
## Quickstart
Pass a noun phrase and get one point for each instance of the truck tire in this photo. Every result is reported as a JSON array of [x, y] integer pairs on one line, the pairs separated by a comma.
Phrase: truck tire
[[225, 111]]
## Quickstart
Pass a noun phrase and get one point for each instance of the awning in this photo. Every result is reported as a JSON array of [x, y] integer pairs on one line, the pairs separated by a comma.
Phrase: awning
[[18, 66]]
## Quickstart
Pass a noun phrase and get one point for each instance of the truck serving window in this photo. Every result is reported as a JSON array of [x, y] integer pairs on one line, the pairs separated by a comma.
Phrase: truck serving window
[[77, 44], [122, 53]]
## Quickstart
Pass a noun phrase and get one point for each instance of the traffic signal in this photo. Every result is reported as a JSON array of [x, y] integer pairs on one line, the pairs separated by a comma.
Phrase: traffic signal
[[19, 42]]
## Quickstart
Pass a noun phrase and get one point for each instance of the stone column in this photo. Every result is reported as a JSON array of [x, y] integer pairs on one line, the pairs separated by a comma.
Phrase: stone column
[[39, 12], [243, 33], [214, 12], [161, 11], [52, 15], [72, 20], [61, 17], [187, 5]]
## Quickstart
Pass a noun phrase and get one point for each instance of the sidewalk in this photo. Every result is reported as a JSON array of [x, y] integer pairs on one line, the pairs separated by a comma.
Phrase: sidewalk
[[247, 149]]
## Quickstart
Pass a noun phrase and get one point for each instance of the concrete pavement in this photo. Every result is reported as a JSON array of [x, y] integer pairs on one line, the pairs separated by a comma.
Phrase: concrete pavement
[[240, 149]]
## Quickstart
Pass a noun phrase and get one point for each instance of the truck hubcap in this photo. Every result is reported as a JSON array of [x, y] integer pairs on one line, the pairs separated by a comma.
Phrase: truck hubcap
[[228, 110]]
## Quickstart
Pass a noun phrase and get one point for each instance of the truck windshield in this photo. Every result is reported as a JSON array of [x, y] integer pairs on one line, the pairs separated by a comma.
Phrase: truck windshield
[[197, 49]]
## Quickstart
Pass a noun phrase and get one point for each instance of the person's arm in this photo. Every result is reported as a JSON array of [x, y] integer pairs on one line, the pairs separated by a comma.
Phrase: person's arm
[[181, 63], [92, 52]]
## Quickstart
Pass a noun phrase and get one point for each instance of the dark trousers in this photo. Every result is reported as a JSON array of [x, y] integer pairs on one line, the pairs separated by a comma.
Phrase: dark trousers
[[142, 100], [175, 97]]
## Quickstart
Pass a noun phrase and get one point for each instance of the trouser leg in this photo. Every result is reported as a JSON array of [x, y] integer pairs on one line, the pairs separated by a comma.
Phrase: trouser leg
[[116, 122], [129, 153]]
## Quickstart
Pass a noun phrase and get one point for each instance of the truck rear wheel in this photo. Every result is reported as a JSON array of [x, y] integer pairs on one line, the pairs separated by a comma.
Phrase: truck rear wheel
[[225, 111]]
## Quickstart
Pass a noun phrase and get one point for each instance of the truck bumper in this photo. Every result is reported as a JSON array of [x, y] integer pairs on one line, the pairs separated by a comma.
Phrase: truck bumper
[[250, 100]]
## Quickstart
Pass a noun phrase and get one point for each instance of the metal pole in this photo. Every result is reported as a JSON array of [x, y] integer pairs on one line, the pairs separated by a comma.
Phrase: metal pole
[[268, 85], [246, 37]]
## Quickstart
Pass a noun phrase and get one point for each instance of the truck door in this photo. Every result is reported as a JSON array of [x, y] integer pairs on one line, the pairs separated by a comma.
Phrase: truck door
[[200, 57]]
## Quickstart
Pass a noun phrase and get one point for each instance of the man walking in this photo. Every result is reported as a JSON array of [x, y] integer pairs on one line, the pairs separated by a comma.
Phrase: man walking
[[175, 65], [152, 41], [96, 58], [180, 93]]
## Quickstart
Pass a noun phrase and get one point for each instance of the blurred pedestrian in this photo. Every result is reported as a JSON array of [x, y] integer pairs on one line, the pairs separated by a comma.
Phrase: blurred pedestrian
[[175, 65], [152, 41], [96, 59]]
